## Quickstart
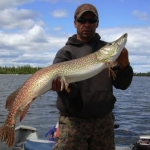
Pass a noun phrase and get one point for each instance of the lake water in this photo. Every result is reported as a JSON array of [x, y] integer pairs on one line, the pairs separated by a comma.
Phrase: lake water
[[132, 109]]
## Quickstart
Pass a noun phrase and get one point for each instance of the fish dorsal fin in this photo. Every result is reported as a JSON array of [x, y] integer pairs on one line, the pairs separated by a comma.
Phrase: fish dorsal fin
[[22, 115], [11, 98]]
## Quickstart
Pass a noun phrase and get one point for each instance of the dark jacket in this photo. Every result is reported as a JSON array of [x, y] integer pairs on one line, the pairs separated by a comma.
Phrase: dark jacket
[[93, 97]]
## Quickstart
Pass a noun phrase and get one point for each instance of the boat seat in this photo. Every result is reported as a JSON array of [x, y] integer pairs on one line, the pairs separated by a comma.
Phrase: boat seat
[[38, 145]]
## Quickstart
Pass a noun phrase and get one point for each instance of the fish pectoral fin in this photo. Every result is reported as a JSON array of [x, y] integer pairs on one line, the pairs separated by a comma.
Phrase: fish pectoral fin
[[111, 72], [64, 83], [10, 99], [22, 115]]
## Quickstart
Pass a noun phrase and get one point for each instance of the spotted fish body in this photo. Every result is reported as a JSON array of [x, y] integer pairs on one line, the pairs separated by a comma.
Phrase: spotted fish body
[[40, 82]]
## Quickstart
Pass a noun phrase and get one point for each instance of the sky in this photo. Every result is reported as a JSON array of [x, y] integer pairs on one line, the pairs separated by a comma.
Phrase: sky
[[32, 31]]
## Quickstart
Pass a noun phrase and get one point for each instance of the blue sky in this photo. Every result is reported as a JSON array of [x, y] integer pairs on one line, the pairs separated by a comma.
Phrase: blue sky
[[32, 31]]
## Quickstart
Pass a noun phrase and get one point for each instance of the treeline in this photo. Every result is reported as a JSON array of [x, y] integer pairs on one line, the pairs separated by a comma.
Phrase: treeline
[[30, 70], [142, 74], [19, 70]]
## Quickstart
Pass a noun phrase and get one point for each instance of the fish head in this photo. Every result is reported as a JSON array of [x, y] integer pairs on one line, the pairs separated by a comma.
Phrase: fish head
[[111, 51]]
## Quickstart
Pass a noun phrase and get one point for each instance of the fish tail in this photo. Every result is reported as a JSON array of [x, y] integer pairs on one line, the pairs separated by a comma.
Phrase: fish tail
[[7, 134]]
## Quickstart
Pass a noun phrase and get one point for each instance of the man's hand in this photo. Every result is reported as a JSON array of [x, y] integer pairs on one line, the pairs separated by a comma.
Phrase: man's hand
[[123, 59], [56, 85]]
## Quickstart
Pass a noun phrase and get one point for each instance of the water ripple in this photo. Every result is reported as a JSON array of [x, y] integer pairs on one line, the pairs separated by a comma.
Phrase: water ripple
[[132, 109]]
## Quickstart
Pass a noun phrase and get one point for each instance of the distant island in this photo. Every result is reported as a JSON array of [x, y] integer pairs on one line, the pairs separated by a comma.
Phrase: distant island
[[27, 69]]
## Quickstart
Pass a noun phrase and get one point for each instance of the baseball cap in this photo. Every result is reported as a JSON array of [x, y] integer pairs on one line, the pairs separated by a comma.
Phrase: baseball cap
[[83, 8]]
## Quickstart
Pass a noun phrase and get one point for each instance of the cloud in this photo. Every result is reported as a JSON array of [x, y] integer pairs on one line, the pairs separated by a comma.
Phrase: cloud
[[140, 15], [57, 28], [24, 38], [51, 1], [36, 35], [13, 18], [12, 3], [59, 13], [138, 45], [56, 1], [33, 46], [38, 48]]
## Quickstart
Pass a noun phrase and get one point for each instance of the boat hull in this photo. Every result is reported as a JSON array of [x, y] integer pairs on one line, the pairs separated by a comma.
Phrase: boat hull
[[26, 138]]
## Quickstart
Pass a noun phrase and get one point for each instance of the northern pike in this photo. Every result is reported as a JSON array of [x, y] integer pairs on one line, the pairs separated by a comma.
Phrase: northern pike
[[40, 82]]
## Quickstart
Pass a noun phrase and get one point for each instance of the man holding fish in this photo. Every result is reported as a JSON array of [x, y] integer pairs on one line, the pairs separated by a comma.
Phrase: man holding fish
[[86, 120], [83, 75]]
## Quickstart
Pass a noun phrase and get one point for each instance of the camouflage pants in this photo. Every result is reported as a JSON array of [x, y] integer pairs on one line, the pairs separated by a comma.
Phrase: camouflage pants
[[85, 134]]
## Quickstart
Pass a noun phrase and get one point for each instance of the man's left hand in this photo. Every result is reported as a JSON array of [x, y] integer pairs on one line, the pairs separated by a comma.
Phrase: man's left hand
[[123, 59]]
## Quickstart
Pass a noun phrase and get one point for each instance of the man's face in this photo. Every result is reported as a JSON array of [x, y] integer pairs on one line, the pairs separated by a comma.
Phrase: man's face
[[86, 26]]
